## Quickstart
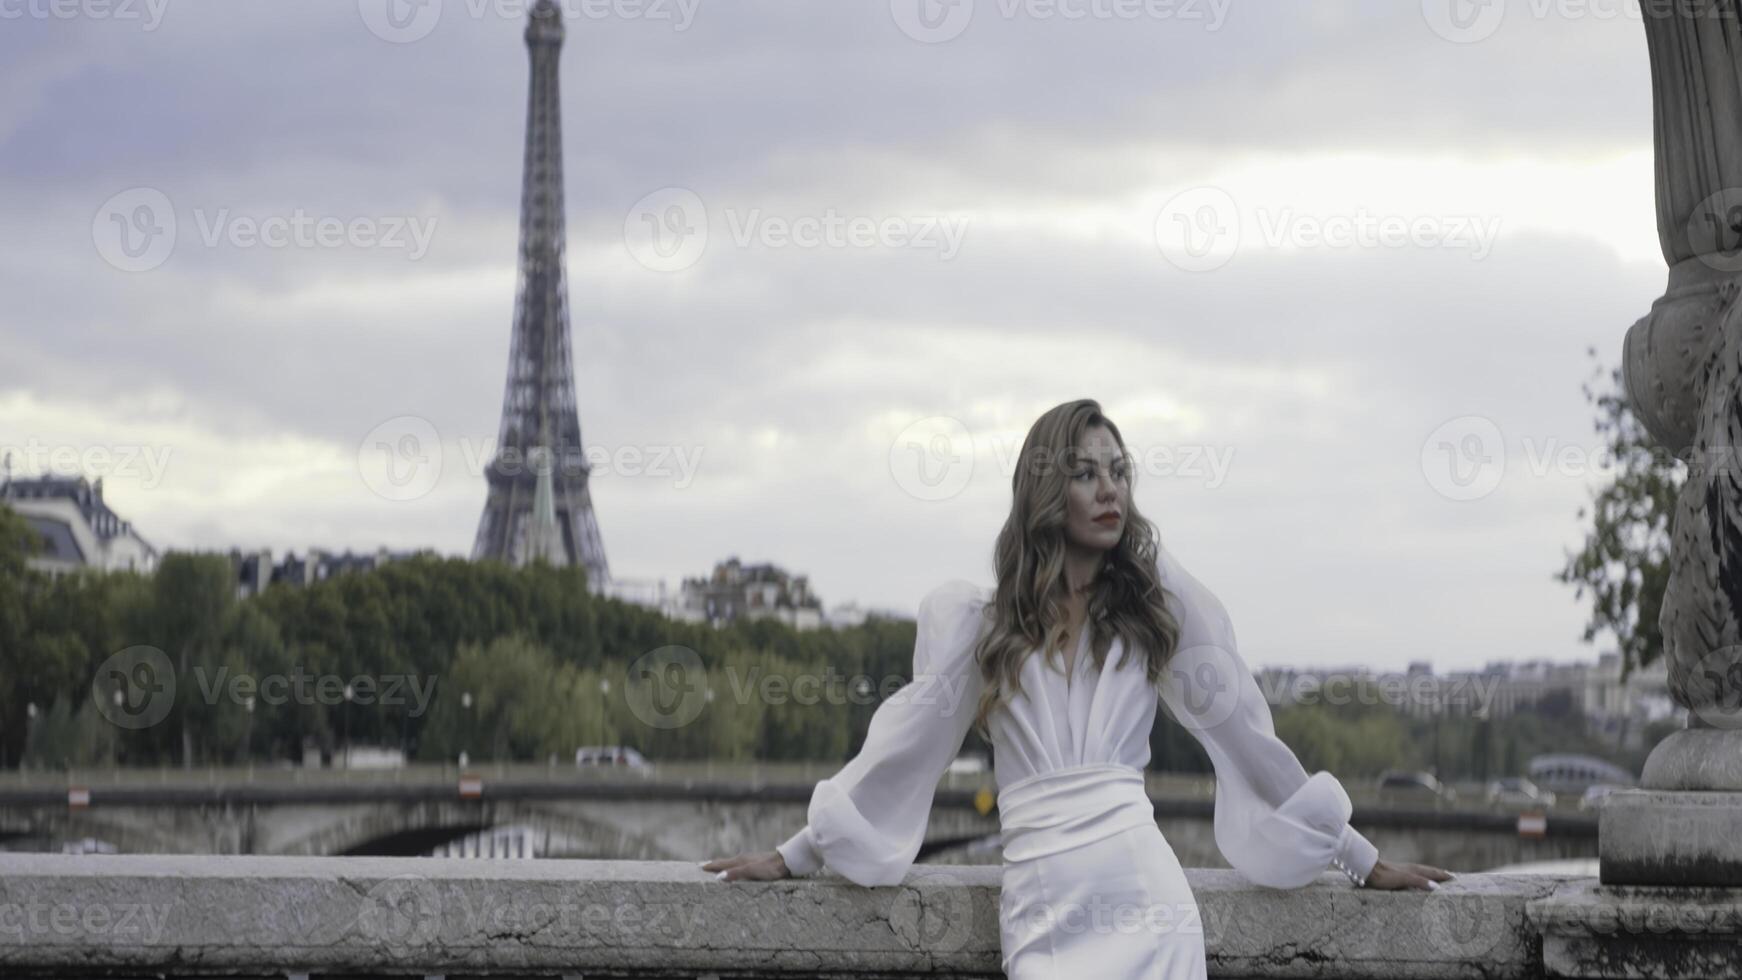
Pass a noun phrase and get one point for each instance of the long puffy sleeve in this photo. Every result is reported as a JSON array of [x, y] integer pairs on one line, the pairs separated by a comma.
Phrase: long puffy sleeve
[[1273, 823], [868, 820]]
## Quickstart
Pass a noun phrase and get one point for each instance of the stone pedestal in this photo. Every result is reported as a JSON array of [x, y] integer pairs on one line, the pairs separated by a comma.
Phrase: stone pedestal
[[1600, 930], [1671, 838], [1685, 826]]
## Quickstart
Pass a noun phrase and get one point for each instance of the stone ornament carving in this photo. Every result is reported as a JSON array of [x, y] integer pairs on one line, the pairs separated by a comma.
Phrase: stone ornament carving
[[1682, 367]]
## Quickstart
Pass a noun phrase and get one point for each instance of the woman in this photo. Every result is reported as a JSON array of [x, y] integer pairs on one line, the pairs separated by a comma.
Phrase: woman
[[1082, 575]]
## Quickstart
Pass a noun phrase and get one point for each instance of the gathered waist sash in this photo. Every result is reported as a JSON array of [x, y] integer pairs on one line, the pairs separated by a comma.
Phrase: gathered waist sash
[[1055, 811]]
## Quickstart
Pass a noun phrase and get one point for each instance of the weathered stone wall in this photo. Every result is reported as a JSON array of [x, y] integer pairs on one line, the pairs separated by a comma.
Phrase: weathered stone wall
[[200, 915]]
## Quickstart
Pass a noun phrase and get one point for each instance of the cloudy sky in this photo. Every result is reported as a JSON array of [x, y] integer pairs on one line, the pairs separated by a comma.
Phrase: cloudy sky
[[1333, 267]]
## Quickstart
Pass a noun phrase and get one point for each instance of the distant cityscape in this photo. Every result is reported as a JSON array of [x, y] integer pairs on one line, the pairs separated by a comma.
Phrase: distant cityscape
[[1614, 709]]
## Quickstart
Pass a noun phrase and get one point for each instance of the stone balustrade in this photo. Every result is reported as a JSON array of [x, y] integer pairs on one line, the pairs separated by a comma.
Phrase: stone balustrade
[[83, 915]]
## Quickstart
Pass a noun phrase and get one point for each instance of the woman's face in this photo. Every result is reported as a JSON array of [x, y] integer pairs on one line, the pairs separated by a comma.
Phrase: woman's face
[[1098, 482]]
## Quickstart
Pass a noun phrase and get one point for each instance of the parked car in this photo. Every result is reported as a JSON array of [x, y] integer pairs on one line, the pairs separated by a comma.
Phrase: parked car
[[1406, 786], [968, 763], [610, 755], [1595, 794], [1566, 773], [88, 845], [1518, 791]]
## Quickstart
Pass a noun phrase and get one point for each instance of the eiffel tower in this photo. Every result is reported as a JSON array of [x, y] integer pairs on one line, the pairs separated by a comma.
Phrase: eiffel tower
[[539, 507]]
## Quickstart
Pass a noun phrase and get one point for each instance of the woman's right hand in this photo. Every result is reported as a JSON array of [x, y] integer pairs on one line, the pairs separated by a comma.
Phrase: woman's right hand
[[1405, 874], [755, 866]]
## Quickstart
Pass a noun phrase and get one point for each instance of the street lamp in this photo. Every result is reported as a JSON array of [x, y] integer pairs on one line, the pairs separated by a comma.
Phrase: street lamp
[[465, 746], [1439, 712], [114, 731], [29, 730], [1484, 742], [346, 724], [604, 694], [248, 739]]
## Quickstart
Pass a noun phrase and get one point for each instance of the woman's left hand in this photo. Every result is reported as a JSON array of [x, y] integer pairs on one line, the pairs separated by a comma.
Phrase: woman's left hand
[[1406, 875]]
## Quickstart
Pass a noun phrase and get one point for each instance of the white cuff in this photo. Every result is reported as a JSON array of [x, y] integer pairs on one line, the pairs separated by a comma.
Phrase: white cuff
[[800, 853], [1355, 855]]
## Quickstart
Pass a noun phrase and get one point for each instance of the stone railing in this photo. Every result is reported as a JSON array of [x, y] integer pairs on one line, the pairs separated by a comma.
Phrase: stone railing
[[89, 915]]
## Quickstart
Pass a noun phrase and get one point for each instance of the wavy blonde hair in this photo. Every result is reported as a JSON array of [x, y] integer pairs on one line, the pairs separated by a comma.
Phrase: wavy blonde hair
[[1027, 612]]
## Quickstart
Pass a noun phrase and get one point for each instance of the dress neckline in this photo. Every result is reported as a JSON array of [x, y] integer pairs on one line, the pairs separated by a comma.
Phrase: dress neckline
[[1074, 661]]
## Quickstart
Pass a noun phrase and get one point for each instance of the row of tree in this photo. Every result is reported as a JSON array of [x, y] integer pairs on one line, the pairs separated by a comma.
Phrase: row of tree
[[435, 655]]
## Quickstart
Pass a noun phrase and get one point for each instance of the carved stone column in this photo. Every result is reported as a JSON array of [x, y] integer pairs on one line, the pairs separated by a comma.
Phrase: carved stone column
[[1683, 374]]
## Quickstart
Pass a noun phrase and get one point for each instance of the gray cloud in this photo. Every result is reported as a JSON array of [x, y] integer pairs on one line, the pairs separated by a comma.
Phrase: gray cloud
[[1322, 370]]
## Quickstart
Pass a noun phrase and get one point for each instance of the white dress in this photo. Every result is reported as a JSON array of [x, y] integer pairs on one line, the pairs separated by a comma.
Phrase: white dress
[[1090, 887]]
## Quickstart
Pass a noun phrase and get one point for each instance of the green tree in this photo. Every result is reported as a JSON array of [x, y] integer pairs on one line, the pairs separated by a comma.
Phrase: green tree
[[507, 700], [17, 543], [1624, 563], [249, 647], [192, 595], [68, 736], [1360, 738]]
